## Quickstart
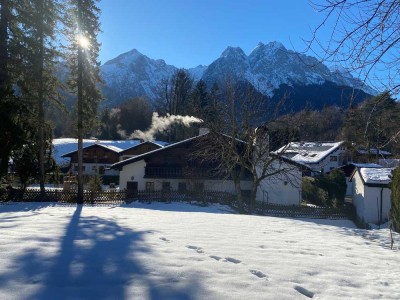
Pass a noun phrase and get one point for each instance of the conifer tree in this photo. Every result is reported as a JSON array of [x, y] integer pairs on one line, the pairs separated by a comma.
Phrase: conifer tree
[[83, 27], [200, 99], [12, 111], [39, 85], [395, 209]]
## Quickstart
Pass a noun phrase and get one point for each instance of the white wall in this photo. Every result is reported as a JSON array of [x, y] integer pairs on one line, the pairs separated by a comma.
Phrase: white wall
[[372, 204], [283, 188], [326, 163], [137, 171], [358, 195], [132, 172], [349, 187], [367, 199]]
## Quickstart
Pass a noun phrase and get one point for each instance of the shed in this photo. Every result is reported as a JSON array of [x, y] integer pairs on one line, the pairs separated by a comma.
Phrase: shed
[[371, 194]]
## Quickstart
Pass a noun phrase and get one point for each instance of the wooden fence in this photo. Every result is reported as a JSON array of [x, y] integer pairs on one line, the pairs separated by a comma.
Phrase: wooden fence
[[114, 197], [345, 212], [119, 197]]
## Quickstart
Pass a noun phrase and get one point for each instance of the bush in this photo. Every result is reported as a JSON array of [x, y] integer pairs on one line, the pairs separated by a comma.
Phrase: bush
[[335, 185], [312, 193], [395, 209], [326, 190], [95, 183]]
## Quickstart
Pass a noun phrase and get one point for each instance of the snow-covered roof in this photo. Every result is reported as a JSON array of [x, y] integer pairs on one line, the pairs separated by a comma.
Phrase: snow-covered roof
[[366, 165], [67, 145], [374, 151], [147, 142], [376, 175], [308, 152]]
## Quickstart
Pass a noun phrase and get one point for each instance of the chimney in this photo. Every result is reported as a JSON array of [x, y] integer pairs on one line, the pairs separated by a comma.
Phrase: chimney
[[203, 130]]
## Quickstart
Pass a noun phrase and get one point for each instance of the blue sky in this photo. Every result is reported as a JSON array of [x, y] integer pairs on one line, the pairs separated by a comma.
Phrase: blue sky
[[186, 33]]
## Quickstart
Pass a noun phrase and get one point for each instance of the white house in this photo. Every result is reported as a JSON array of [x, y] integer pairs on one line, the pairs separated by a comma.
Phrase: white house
[[320, 157], [348, 172], [371, 195], [173, 168]]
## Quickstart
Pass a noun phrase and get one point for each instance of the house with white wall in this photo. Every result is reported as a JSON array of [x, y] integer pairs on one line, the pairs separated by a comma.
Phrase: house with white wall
[[320, 157], [348, 171], [173, 167], [371, 194]]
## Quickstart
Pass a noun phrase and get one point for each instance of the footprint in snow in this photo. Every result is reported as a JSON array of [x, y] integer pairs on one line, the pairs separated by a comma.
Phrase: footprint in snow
[[197, 249], [165, 239], [259, 274], [232, 260], [215, 257], [304, 291]]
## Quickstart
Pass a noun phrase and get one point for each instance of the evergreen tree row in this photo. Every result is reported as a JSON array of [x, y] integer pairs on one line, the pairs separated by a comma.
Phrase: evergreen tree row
[[31, 32]]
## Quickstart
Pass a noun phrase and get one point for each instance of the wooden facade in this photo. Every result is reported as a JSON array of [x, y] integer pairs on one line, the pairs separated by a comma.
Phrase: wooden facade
[[138, 150], [180, 161], [95, 154]]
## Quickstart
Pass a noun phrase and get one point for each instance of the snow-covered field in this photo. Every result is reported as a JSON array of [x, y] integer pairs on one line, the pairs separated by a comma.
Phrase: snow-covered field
[[182, 251]]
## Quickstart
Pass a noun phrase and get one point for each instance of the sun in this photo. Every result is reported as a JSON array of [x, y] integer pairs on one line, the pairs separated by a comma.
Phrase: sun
[[83, 41]]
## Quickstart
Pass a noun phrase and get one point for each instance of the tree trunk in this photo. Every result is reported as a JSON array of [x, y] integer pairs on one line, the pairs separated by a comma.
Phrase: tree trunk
[[253, 197], [239, 195], [80, 112], [41, 120], [4, 77]]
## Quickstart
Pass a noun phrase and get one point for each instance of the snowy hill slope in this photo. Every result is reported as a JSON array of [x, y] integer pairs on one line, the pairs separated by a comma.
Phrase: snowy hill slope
[[181, 251]]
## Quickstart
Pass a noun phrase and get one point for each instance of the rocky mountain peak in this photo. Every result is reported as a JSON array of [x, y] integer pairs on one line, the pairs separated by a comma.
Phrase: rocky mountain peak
[[233, 52], [270, 65]]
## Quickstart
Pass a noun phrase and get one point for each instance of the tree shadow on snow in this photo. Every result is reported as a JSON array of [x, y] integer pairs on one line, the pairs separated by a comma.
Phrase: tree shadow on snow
[[97, 259], [7, 207]]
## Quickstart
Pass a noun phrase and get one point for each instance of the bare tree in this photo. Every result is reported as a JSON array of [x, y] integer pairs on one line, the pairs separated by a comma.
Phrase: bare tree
[[365, 37], [236, 148]]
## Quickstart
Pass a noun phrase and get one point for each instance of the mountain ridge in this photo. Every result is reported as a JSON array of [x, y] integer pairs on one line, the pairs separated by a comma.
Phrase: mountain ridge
[[267, 68]]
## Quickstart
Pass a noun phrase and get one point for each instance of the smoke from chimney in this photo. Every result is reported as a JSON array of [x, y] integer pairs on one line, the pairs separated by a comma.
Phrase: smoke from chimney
[[160, 124]]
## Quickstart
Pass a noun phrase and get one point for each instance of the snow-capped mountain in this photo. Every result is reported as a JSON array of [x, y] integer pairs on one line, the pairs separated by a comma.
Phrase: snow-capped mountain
[[133, 74], [267, 67]]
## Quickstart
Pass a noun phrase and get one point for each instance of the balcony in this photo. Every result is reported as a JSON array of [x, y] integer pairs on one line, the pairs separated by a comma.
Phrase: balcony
[[177, 172]]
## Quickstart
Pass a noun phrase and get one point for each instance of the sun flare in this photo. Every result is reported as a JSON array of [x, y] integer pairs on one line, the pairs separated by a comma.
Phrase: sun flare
[[83, 41]]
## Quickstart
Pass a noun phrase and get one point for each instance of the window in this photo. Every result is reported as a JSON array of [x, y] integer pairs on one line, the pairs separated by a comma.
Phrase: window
[[333, 158], [94, 168], [166, 186], [149, 186], [182, 186]]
